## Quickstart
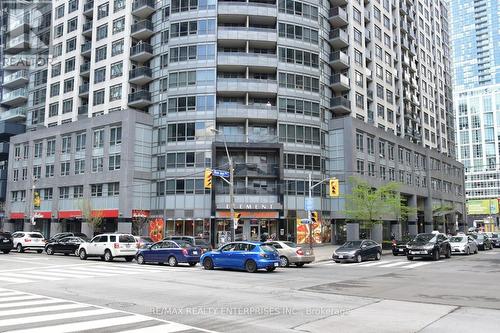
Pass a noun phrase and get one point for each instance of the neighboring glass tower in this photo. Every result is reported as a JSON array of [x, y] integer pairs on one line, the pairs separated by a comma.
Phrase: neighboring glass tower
[[476, 59]]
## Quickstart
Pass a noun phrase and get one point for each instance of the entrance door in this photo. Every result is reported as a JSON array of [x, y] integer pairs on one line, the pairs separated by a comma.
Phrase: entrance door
[[254, 232]]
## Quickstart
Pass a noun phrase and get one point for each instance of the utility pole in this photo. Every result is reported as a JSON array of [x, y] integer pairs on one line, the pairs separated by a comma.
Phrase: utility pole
[[309, 215]]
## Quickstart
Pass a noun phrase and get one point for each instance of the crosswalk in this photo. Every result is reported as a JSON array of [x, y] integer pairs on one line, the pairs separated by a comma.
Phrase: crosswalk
[[82, 271], [400, 264], [31, 313]]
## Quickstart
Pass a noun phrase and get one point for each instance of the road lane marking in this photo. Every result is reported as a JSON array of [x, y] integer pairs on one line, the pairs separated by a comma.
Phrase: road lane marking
[[14, 280], [394, 264], [58, 316], [167, 328], [18, 298], [38, 276], [28, 303], [418, 264], [48, 308]]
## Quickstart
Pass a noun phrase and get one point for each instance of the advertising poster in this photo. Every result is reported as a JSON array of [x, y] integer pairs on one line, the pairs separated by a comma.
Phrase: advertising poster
[[156, 229], [303, 233]]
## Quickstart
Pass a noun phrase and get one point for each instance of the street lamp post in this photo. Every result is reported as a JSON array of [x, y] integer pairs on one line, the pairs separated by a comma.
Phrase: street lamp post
[[231, 185]]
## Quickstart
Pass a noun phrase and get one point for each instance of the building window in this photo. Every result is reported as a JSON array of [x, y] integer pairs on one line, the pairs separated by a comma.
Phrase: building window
[[118, 25], [71, 45], [69, 65], [64, 192], [54, 89], [101, 53], [369, 145], [100, 75], [96, 190], [102, 11], [78, 191], [81, 141], [66, 145], [97, 164], [37, 172], [65, 166], [116, 69], [99, 97], [49, 170], [38, 149], [114, 162], [115, 136], [47, 193], [360, 167], [118, 5], [60, 11], [58, 30], [79, 166], [51, 147], [113, 189], [359, 141], [98, 138], [72, 25], [117, 47], [115, 92]]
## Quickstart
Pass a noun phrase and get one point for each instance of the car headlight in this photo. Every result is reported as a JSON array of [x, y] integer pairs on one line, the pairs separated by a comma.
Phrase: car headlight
[[428, 247]]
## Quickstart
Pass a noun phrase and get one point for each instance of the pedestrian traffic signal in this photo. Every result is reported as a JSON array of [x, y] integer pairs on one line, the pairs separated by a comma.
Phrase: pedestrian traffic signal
[[237, 217], [36, 200], [314, 217], [334, 187], [208, 178]]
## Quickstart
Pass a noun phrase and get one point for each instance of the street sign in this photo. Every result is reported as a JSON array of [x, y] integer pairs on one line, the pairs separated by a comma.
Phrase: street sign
[[220, 173], [309, 204], [305, 221]]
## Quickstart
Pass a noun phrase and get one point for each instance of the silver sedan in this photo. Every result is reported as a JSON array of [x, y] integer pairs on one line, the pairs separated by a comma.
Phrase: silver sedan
[[463, 244], [291, 253]]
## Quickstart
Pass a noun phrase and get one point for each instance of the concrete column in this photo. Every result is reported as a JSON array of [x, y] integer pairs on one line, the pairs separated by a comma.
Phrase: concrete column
[[452, 223], [377, 232], [396, 230], [428, 217], [429, 228], [413, 216], [87, 230], [55, 227], [352, 231], [9, 227], [124, 227], [27, 226]]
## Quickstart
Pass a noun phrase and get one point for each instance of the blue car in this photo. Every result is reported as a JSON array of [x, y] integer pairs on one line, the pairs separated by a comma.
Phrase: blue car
[[171, 252], [249, 256]]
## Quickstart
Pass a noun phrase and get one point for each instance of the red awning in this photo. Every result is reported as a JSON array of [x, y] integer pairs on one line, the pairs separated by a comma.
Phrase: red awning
[[78, 214], [67, 214], [17, 216], [43, 215], [140, 213]]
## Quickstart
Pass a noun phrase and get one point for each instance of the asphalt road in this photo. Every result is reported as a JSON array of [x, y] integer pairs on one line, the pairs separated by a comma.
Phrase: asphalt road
[[40, 293]]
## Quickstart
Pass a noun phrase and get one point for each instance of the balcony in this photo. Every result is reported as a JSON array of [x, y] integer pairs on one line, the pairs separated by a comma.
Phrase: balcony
[[338, 17], [86, 49], [256, 170], [369, 95], [339, 60], [88, 8], [87, 29], [143, 8], [141, 52], [17, 44], [139, 99], [140, 75], [83, 91], [339, 2], [247, 33], [368, 16], [240, 112], [339, 38], [368, 36], [369, 75], [17, 25], [368, 56], [243, 85], [340, 105], [85, 69], [404, 26], [15, 97], [16, 79], [16, 61], [339, 82], [16, 114], [243, 59], [246, 8], [4, 151], [83, 110], [413, 49], [142, 30], [246, 138]]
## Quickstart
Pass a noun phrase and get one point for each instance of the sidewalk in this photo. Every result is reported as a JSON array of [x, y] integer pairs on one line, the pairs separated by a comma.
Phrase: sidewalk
[[324, 252]]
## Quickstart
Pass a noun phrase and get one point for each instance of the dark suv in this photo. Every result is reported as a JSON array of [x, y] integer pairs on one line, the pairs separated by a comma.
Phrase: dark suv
[[195, 241], [432, 245], [6, 243]]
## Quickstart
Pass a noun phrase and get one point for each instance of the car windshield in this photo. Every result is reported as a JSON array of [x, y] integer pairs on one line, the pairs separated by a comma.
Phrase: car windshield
[[427, 238], [480, 236], [290, 244], [494, 235], [35, 235], [200, 241], [126, 239], [457, 239], [352, 244], [267, 248], [183, 244]]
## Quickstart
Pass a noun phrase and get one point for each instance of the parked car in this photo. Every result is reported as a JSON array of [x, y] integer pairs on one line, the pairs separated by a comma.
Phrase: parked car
[[429, 245], [108, 247], [483, 242], [463, 244], [68, 234], [195, 241], [290, 253], [6, 243], [66, 245], [28, 241], [357, 251], [249, 256], [400, 246], [143, 241], [171, 252], [495, 240]]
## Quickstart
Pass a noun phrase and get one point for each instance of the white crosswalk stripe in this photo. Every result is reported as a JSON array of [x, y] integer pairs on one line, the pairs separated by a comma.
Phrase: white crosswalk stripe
[[82, 271], [396, 264], [30, 313]]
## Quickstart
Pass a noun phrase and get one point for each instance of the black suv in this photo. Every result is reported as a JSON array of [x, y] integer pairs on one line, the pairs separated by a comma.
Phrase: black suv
[[6, 243], [400, 246], [432, 245]]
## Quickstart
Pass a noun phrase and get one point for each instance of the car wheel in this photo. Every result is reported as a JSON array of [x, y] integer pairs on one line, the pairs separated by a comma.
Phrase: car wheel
[[270, 269], [192, 264], [448, 253], [337, 261], [477, 251], [108, 256], [19, 248], [129, 259], [140, 259], [394, 254], [66, 253], [50, 250], [359, 258], [76, 252], [467, 252], [410, 258], [208, 264], [6, 251], [284, 261], [83, 254], [299, 264], [39, 251], [251, 266], [172, 261], [378, 256], [435, 255]]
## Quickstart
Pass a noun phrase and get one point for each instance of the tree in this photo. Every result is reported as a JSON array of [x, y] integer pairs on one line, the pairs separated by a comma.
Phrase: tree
[[138, 224], [91, 217], [368, 205]]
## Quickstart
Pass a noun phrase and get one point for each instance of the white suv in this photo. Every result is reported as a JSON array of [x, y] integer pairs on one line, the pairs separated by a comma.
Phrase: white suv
[[28, 241], [109, 246]]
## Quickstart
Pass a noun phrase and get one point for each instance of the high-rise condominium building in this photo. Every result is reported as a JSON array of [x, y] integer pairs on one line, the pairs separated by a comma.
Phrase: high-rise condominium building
[[476, 58], [143, 95]]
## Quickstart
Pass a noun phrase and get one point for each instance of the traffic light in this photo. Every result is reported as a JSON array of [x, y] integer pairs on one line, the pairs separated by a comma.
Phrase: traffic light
[[237, 217], [334, 187], [36, 200], [208, 178], [314, 217]]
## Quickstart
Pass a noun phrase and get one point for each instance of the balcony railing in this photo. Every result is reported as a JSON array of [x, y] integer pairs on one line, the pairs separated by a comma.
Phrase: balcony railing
[[87, 26], [139, 95], [145, 24], [19, 112], [140, 48], [89, 5], [140, 71], [340, 102], [84, 88], [86, 47], [84, 109], [15, 76], [143, 3], [23, 92], [85, 67]]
